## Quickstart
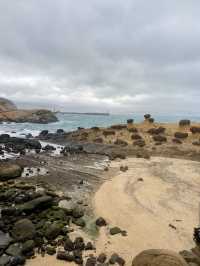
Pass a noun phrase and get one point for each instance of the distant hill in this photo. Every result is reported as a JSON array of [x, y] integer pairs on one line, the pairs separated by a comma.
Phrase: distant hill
[[10, 113], [6, 105]]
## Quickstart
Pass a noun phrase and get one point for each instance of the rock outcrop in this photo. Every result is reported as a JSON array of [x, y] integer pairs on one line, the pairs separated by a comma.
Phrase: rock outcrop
[[10, 113]]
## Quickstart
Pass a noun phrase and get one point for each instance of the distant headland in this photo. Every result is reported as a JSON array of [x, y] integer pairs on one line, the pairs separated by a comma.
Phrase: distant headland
[[10, 113], [79, 113]]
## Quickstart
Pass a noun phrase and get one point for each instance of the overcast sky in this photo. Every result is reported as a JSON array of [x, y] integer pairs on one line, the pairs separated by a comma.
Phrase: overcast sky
[[101, 55]]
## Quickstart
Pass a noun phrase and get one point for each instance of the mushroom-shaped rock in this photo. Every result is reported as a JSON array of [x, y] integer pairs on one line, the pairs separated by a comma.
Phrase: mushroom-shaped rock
[[158, 257]]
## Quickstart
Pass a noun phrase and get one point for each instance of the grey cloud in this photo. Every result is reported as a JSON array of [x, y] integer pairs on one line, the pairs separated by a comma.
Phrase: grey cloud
[[92, 55]]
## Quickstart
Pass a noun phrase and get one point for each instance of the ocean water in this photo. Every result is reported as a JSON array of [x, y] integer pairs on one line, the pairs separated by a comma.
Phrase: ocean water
[[70, 122]]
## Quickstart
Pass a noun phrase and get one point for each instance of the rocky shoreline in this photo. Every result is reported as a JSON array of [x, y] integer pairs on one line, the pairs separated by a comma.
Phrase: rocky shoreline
[[46, 190], [10, 113]]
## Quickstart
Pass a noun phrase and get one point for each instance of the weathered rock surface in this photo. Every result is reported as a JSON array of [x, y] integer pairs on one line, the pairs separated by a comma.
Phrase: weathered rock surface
[[9, 171], [161, 257]]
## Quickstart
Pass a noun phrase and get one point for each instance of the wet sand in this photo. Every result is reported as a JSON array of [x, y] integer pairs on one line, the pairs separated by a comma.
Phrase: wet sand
[[168, 194]]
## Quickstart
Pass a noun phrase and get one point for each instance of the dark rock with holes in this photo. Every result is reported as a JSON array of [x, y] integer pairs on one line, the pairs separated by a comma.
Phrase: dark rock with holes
[[68, 245], [156, 131], [181, 135], [113, 259], [159, 138], [139, 142], [147, 116], [91, 261], [38, 203], [151, 120], [49, 148], [195, 130], [123, 168], [101, 222], [53, 230], [119, 127], [79, 243], [14, 250], [108, 133], [115, 230], [184, 122], [89, 246], [63, 255], [23, 230], [136, 136], [102, 258], [133, 130], [28, 246], [78, 256], [130, 121]]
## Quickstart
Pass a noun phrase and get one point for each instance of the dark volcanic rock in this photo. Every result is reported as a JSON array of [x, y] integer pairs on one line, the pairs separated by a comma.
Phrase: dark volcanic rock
[[69, 245], [101, 222], [156, 131], [195, 130], [102, 258], [38, 203], [133, 130], [108, 133], [14, 250], [118, 127], [147, 116], [130, 121], [159, 138], [23, 230], [115, 230], [151, 120], [49, 148], [63, 255], [53, 230], [91, 261], [184, 122], [181, 135], [139, 142], [136, 136]]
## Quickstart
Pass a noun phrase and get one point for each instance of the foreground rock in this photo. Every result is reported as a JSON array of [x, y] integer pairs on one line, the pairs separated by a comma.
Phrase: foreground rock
[[9, 171], [10, 113], [161, 257]]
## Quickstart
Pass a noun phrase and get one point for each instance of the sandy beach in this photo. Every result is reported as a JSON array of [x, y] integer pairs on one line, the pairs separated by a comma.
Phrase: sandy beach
[[158, 212], [156, 201]]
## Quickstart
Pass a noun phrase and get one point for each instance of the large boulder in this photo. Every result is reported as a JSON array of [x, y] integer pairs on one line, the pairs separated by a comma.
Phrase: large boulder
[[9, 171], [161, 257], [23, 230]]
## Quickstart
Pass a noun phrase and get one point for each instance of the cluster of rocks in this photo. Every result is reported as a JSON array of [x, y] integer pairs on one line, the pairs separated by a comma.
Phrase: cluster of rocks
[[18, 145], [31, 220]]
